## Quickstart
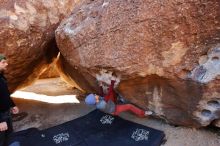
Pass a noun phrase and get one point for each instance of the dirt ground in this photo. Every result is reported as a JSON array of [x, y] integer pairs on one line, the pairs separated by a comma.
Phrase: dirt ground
[[43, 115]]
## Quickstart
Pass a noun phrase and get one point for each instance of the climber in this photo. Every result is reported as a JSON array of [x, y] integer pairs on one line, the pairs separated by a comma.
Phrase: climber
[[108, 103]]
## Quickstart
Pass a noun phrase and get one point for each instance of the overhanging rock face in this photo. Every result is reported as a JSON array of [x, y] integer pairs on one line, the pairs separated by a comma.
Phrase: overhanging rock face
[[166, 52], [27, 35]]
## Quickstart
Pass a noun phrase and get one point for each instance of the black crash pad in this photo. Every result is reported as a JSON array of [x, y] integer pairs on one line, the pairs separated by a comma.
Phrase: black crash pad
[[94, 129]]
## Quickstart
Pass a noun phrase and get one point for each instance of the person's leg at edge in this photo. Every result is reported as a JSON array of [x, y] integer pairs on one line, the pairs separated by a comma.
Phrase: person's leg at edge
[[129, 107], [8, 132], [2, 138]]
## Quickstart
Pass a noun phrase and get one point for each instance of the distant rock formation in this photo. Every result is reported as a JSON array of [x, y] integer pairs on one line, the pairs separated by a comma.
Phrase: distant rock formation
[[50, 72], [165, 52]]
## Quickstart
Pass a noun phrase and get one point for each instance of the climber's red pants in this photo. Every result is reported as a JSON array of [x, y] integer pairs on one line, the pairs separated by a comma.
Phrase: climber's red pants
[[129, 107], [124, 107]]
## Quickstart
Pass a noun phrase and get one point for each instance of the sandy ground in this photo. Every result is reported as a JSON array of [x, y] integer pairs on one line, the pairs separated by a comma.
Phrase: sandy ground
[[43, 115]]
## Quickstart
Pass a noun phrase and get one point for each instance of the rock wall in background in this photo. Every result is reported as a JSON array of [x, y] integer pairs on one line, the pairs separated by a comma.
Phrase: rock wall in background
[[50, 72], [27, 36], [165, 52]]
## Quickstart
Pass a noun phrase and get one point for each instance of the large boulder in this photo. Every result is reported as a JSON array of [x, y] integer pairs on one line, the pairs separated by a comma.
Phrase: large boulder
[[27, 36], [165, 52]]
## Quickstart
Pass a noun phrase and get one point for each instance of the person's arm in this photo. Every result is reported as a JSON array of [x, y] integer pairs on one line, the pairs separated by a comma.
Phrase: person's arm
[[111, 88], [3, 123], [101, 92], [1, 118], [111, 93], [14, 108], [12, 104]]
